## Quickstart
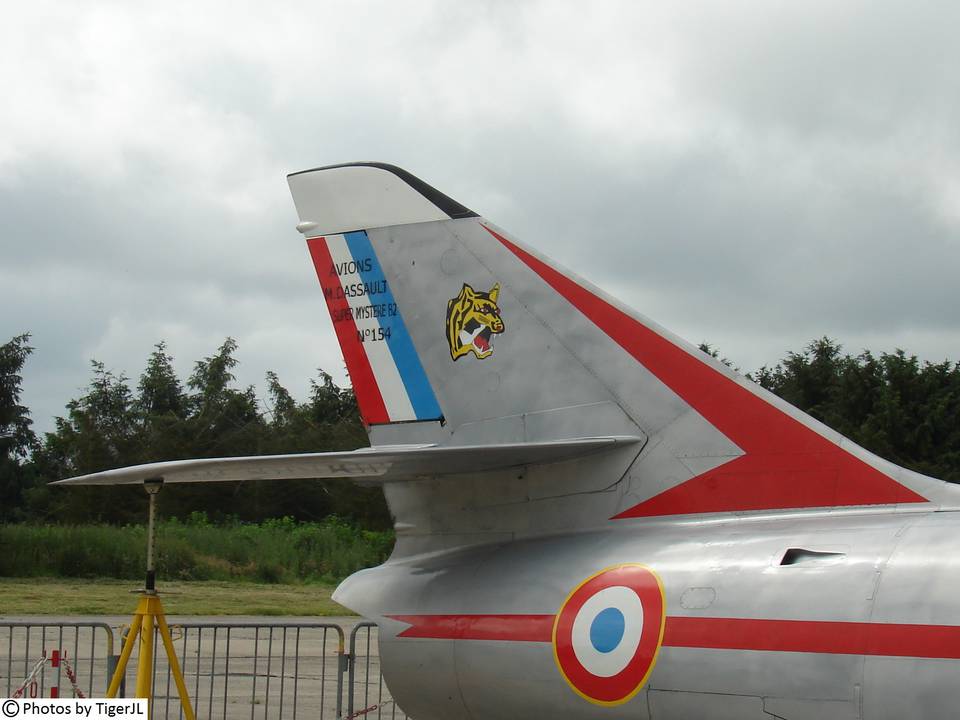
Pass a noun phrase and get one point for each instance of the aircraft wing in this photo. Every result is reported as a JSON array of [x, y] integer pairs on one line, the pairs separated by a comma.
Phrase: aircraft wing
[[376, 464]]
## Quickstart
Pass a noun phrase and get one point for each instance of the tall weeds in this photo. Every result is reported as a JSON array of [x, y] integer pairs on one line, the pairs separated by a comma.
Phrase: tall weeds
[[274, 551]]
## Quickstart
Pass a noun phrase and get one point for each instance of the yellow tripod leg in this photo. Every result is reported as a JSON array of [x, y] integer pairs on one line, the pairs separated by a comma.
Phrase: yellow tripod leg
[[175, 666], [128, 646], [145, 660]]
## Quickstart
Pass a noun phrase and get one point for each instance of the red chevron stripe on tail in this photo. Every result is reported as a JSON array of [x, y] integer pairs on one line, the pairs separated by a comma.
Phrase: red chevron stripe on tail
[[785, 465]]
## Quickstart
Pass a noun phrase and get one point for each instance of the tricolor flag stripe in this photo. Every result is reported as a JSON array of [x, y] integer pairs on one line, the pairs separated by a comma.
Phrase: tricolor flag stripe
[[405, 356], [388, 378], [372, 409], [360, 296]]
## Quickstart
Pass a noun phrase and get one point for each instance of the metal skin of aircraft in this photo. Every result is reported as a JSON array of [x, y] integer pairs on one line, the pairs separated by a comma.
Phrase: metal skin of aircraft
[[595, 519]]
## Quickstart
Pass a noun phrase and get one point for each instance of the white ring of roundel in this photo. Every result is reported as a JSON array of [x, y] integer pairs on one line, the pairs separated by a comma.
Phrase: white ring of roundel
[[608, 664]]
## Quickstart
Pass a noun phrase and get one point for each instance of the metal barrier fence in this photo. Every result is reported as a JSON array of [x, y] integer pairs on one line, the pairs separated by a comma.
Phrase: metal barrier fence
[[366, 691], [85, 650], [233, 671], [240, 671]]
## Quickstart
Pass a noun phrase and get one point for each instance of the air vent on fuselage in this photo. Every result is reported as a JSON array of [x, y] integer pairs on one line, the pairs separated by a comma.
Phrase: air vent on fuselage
[[803, 556]]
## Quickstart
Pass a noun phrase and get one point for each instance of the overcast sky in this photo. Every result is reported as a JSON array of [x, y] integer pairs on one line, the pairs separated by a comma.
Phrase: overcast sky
[[753, 175]]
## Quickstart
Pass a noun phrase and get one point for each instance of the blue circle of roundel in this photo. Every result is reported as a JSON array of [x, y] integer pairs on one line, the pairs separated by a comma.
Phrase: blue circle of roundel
[[606, 630]]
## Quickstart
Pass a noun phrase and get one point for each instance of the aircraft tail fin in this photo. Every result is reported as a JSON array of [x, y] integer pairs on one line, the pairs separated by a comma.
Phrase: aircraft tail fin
[[456, 333], [421, 313]]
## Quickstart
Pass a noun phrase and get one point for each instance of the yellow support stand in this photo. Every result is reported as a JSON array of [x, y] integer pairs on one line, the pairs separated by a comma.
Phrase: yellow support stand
[[149, 616]]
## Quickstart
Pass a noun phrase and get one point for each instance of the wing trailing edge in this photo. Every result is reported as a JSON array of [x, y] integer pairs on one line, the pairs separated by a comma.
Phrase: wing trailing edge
[[376, 464]]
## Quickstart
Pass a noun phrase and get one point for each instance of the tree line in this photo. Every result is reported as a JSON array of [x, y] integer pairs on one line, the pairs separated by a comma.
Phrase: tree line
[[893, 404], [114, 424]]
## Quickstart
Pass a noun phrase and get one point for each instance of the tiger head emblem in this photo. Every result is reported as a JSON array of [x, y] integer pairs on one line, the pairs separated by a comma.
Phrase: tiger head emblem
[[473, 318]]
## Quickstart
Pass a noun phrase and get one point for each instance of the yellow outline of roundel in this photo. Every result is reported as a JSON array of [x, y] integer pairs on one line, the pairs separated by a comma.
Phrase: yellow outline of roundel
[[656, 653]]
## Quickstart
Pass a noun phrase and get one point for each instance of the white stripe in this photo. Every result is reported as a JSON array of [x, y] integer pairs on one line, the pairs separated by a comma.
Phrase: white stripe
[[384, 367]]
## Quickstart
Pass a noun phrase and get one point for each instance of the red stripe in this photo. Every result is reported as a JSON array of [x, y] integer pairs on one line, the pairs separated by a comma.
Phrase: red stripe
[[833, 638], [806, 636], [369, 400], [785, 465], [517, 628]]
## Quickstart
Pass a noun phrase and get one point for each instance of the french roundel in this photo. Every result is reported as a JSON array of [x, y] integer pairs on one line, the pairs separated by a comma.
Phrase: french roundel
[[608, 632]]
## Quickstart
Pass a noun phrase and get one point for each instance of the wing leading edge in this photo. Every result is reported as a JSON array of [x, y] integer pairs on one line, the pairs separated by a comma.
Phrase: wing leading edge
[[376, 464]]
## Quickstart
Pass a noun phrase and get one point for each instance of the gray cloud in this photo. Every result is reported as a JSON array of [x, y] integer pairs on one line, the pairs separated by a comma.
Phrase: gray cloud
[[750, 174]]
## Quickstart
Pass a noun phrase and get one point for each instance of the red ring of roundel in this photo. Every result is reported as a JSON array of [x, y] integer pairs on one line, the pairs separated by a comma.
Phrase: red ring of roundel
[[620, 686]]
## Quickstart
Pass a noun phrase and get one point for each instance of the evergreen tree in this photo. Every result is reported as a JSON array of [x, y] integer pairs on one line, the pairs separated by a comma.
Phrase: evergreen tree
[[224, 421], [17, 439], [283, 406], [160, 391], [162, 408], [101, 432]]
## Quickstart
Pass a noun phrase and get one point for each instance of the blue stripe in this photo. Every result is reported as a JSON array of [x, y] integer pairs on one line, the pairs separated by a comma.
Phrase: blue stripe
[[424, 402]]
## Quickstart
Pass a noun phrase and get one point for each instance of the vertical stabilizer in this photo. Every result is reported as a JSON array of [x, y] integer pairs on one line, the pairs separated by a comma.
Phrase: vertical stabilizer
[[454, 332]]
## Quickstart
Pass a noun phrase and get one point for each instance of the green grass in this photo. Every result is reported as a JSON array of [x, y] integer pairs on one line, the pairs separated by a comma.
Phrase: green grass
[[272, 552], [48, 596]]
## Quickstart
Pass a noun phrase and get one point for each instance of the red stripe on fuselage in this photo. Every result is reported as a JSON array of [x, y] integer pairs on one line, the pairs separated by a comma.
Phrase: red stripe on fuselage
[[369, 400], [785, 463], [834, 638], [707, 633], [517, 628]]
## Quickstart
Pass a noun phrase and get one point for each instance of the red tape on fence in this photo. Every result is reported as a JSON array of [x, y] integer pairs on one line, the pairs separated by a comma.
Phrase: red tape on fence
[[31, 679]]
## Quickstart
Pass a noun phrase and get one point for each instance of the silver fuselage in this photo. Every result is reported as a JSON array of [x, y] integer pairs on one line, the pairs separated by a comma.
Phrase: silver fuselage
[[853, 569]]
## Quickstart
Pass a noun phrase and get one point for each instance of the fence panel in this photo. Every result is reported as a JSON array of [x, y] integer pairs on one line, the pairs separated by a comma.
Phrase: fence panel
[[247, 671], [233, 670], [367, 695], [52, 652]]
